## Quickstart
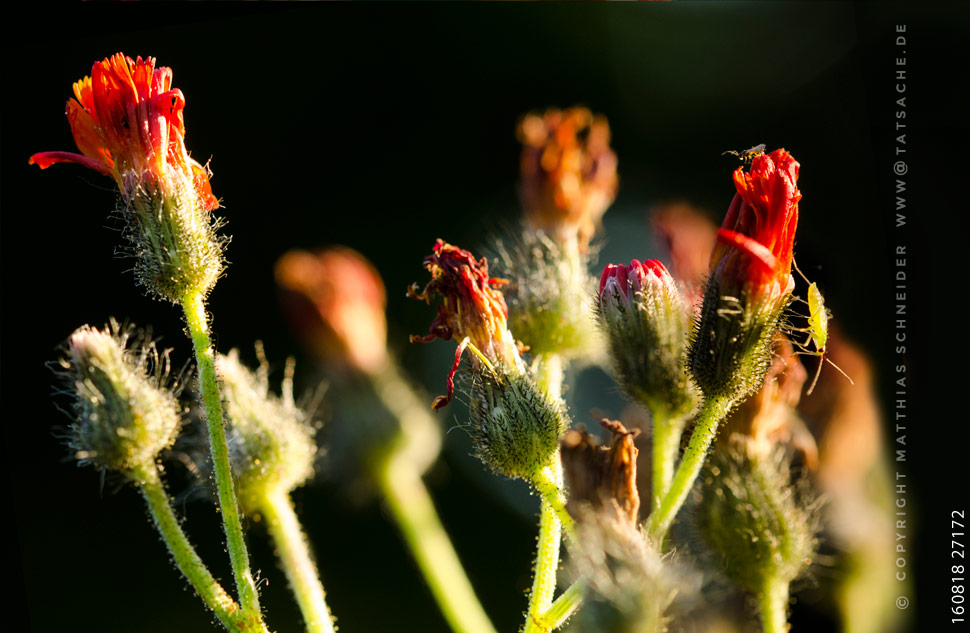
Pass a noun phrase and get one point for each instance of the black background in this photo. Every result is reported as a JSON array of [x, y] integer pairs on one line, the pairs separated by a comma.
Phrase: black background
[[384, 126]]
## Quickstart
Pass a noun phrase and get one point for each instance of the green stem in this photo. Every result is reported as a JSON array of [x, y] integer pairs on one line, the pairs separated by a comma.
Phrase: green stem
[[301, 572], [552, 513], [415, 514], [195, 317], [564, 606], [774, 606], [663, 457], [547, 552], [711, 414], [186, 558]]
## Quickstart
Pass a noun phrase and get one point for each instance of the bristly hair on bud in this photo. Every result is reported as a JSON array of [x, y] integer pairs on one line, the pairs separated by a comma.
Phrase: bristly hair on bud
[[568, 173], [549, 296], [271, 445], [514, 425], [750, 282], [646, 321], [127, 122], [125, 410], [758, 525], [628, 585]]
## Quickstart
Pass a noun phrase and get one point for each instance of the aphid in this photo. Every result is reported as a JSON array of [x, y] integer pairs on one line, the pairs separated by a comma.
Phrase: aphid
[[749, 154], [817, 331]]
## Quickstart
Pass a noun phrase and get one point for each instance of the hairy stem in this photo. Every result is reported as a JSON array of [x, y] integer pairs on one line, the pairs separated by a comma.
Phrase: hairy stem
[[186, 558], [552, 512], [773, 601], [712, 412], [197, 321], [301, 572], [415, 514], [563, 607]]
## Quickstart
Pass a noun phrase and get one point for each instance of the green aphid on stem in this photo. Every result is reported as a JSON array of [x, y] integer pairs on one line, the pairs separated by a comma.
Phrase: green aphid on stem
[[817, 331]]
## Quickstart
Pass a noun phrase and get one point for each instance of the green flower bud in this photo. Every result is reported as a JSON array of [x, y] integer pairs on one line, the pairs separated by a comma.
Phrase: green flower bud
[[548, 296], [515, 426], [629, 586], [124, 413], [646, 321], [272, 445], [759, 526]]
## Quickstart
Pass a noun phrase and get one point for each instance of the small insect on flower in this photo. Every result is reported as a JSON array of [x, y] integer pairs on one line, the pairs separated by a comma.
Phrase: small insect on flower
[[817, 331], [749, 154]]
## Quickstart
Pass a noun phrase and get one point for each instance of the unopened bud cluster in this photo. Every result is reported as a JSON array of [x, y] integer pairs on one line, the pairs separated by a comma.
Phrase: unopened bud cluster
[[755, 522], [124, 414], [272, 443], [646, 321]]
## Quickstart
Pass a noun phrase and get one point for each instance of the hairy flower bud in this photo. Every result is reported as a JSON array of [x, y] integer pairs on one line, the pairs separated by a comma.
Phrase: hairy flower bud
[[758, 525], [515, 426], [549, 297], [646, 321], [750, 282], [568, 173], [271, 447], [335, 300], [124, 414], [127, 122]]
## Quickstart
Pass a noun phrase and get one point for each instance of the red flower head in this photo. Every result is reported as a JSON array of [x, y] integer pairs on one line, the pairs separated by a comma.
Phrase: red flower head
[[650, 275], [127, 122], [754, 244], [568, 172], [472, 308]]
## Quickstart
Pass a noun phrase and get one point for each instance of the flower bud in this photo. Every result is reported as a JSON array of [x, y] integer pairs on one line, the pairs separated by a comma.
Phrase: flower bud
[[646, 321], [549, 296], [628, 585], [127, 122], [271, 444], [750, 282], [760, 527], [514, 425], [568, 173], [124, 414], [335, 300]]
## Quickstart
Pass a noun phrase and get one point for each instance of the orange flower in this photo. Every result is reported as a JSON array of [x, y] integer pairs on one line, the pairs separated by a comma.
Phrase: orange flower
[[127, 123], [568, 172], [754, 244], [335, 299]]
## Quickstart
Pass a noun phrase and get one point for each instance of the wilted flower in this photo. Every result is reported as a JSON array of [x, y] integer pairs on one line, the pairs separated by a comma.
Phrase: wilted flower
[[515, 426], [472, 308], [750, 280], [127, 122], [335, 300], [604, 477], [568, 172]]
